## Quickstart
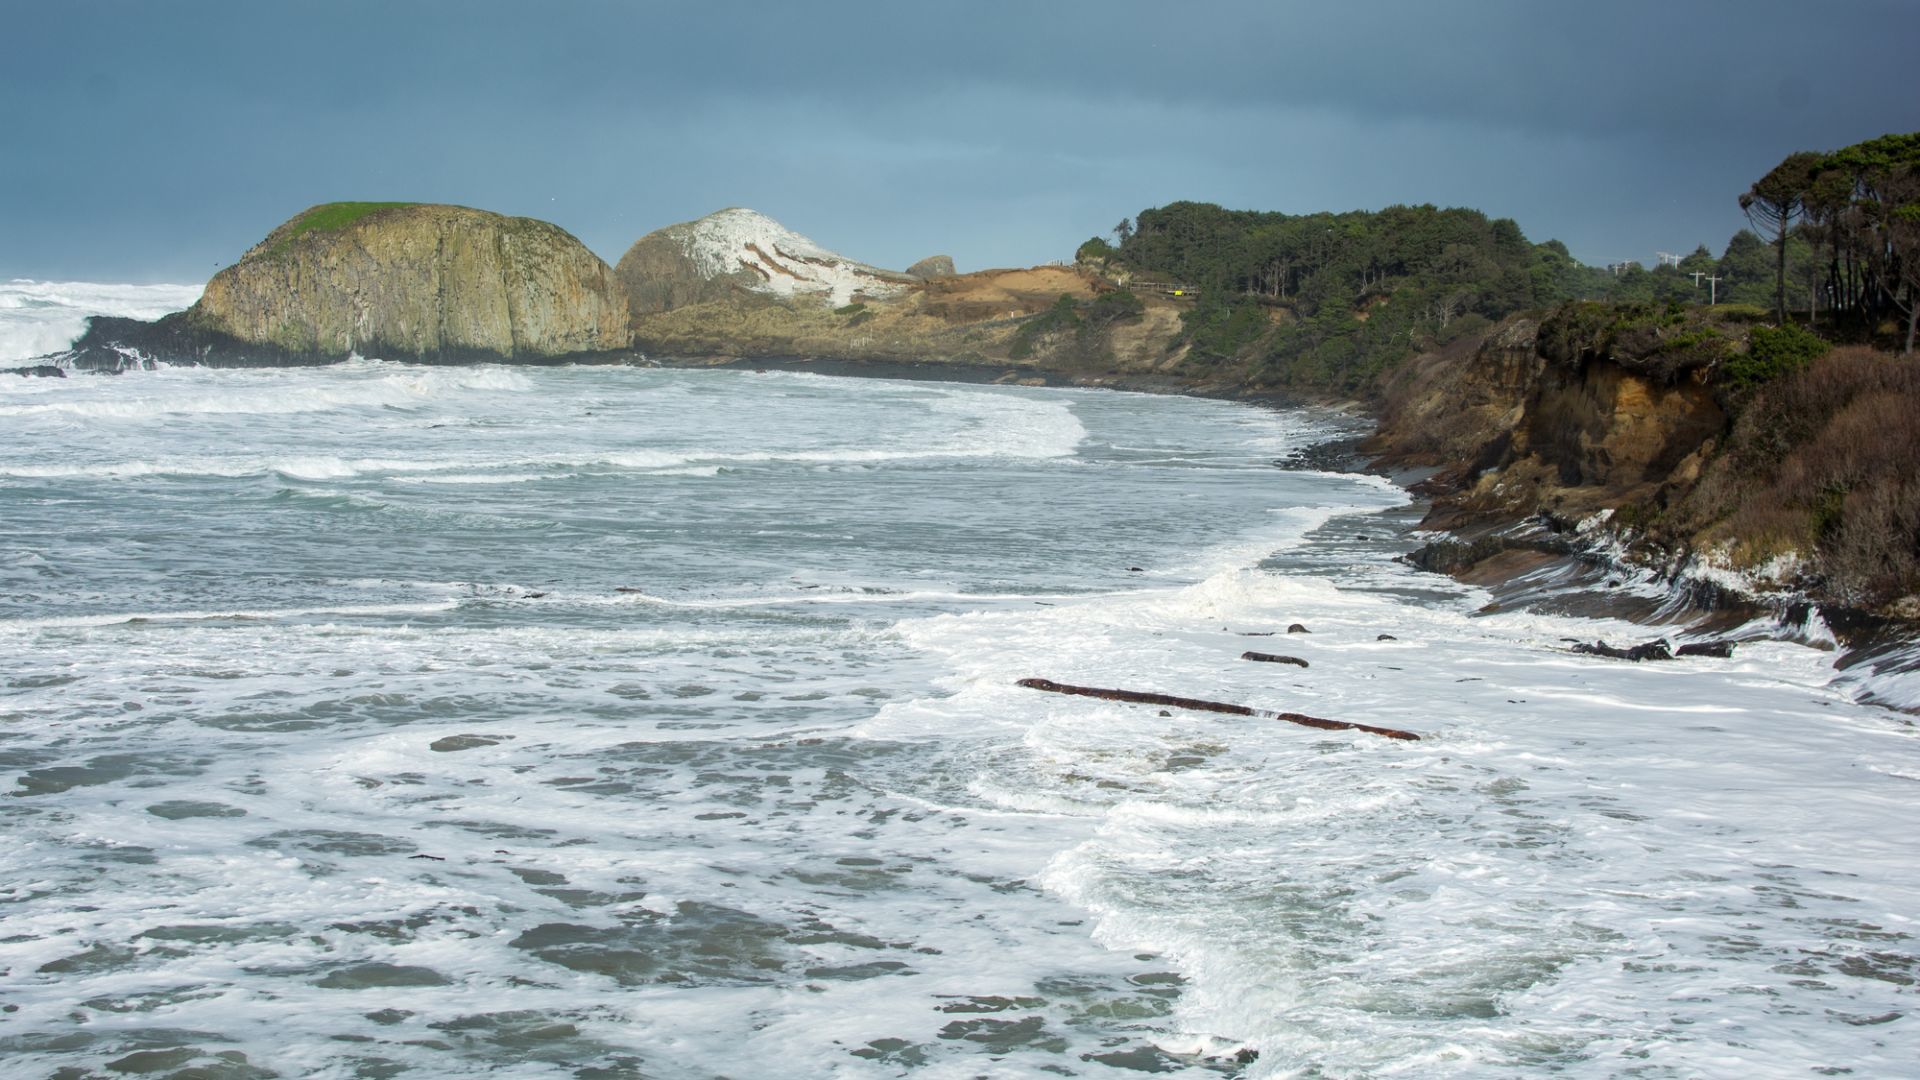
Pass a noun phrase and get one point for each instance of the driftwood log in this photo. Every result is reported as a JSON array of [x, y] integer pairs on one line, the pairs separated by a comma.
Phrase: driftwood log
[[1273, 658], [1140, 698], [1656, 650]]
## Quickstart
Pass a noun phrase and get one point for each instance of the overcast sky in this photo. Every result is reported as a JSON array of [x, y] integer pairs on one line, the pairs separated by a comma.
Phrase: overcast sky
[[146, 141]]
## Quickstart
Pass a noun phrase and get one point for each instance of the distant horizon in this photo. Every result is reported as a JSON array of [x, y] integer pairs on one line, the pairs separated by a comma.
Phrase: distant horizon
[[999, 134]]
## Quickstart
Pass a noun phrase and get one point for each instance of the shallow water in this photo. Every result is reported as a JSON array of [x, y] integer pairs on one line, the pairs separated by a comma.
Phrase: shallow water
[[387, 720]]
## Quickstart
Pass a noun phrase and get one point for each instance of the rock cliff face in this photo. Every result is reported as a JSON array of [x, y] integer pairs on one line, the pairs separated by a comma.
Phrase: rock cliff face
[[739, 251], [416, 282], [1532, 418]]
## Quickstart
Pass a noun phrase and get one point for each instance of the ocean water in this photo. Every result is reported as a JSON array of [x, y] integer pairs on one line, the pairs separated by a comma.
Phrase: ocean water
[[387, 721], [41, 317]]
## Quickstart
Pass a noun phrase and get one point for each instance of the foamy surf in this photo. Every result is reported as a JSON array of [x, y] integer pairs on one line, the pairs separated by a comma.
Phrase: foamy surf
[[557, 722], [42, 317]]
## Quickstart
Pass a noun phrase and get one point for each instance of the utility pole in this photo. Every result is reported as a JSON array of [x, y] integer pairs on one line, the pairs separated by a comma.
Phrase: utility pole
[[1713, 285], [1668, 258]]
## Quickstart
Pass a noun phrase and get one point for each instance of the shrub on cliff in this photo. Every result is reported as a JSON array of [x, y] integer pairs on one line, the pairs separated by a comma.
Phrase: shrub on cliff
[[1664, 341], [1825, 461], [1080, 326], [1771, 353]]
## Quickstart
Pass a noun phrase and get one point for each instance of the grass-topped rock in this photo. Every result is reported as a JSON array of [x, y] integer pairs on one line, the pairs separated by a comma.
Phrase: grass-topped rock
[[327, 217], [416, 281]]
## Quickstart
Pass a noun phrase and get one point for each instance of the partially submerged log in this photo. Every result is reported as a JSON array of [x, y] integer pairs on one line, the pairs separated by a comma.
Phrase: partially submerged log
[[1142, 698], [1273, 658], [1719, 650], [1656, 650], [1652, 650]]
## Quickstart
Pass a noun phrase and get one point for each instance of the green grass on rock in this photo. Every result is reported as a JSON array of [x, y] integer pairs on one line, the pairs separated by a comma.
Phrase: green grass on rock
[[329, 217]]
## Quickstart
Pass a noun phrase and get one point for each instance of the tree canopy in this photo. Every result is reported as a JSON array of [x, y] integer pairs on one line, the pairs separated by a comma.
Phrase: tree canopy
[[1332, 299]]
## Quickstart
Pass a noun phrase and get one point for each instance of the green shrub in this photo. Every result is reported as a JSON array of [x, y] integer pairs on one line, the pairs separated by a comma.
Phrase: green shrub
[[1094, 250], [1773, 351], [1112, 307], [854, 308], [1465, 325]]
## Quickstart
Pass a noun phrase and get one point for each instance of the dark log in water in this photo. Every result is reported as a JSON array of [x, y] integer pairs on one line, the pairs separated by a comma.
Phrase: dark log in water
[[1656, 650], [1720, 650], [1141, 698], [1273, 658], [1652, 650]]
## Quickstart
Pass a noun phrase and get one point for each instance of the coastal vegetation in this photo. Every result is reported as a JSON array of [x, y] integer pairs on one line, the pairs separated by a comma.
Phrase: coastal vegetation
[[329, 217], [1077, 329], [1331, 301]]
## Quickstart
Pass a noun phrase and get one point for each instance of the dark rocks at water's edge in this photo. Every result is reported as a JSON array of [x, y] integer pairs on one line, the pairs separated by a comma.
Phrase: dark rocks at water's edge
[[1452, 556], [112, 344]]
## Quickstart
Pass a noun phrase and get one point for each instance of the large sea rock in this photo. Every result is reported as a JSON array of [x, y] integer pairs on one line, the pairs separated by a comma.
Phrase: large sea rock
[[414, 282], [740, 253]]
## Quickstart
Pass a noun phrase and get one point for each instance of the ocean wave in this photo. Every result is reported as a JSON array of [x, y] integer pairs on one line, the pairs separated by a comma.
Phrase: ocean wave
[[42, 317], [169, 391], [241, 614]]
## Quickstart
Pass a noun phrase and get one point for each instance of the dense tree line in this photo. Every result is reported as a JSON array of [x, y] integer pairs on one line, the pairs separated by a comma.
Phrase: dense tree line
[[1331, 299], [1858, 212]]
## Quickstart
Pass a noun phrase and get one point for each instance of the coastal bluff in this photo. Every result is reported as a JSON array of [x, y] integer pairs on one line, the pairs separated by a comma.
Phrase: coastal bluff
[[417, 281]]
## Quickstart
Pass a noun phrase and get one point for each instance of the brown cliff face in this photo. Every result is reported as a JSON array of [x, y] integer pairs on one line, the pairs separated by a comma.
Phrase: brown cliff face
[[417, 282], [1523, 422]]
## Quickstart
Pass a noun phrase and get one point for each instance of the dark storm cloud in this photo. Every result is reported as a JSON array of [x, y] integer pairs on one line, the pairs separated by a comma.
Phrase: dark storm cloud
[[154, 140]]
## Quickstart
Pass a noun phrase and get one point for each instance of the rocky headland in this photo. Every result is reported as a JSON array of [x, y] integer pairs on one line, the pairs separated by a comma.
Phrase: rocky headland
[[405, 281]]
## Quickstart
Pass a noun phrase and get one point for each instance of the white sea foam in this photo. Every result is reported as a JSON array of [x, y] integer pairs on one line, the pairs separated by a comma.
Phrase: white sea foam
[[175, 391], [121, 618], [657, 719], [42, 317]]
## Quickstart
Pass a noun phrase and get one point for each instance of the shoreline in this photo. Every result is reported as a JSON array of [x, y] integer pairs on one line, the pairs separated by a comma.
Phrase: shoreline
[[1537, 564], [1530, 562]]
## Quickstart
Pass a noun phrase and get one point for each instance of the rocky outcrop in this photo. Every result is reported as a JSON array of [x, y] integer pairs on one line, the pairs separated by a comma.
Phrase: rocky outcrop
[[413, 282], [1556, 415], [738, 251], [933, 266]]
